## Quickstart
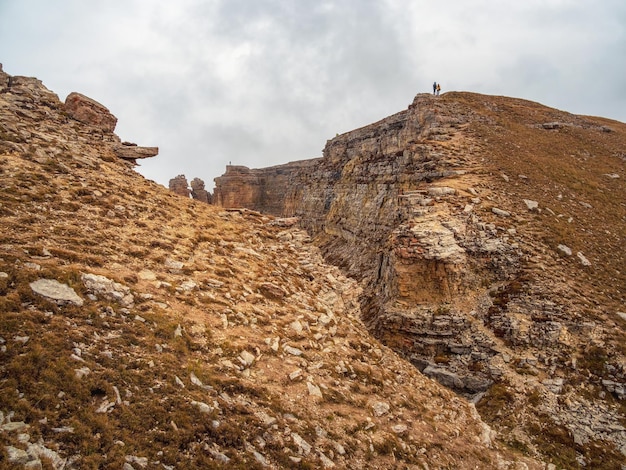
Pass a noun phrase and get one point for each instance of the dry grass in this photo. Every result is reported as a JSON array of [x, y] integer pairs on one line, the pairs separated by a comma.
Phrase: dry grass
[[67, 232]]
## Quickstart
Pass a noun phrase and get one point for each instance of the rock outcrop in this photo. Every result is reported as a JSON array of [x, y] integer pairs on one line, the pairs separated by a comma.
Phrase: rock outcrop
[[418, 207], [130, 151], [180, 186], [143, 330], [89, 111], [271, 190], [199, 193], [34, 118]]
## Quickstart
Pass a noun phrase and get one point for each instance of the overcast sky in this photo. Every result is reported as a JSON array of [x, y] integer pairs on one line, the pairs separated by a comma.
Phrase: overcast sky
[[265, 82]]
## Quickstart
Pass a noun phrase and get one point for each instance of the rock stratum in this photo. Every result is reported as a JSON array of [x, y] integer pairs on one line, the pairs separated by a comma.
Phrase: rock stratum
[[487, 234]]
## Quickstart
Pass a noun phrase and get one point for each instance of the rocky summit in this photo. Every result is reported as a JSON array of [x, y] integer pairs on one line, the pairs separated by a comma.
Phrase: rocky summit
[[406, 301]]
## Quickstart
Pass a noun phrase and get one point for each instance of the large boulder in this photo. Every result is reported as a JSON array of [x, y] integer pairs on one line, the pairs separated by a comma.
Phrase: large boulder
[[90, 112]]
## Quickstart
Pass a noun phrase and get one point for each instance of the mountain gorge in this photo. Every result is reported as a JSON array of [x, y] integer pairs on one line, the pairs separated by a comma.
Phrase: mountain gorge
[[441, 289]]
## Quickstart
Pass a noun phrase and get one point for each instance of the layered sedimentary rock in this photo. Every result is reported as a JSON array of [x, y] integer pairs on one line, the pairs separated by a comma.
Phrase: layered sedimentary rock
[[31, 101], [273, 190], [408, 207], [376, 205], [130, 151]]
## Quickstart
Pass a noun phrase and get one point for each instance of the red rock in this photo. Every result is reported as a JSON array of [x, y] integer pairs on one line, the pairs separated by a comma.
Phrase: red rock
[[90, 112]]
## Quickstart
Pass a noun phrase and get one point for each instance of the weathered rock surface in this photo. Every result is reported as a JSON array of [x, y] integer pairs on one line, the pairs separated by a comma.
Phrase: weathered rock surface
[[89, 111], [180, 186], [134, 152], [456, 277], [199, 193], [56, 291], [240, 348], [34, 122], [270, 190]]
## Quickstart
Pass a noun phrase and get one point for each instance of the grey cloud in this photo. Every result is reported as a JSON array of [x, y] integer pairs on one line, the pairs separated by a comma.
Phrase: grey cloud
[[263, 82]]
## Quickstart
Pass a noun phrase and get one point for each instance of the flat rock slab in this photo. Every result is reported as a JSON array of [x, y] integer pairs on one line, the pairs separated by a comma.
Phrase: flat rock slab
[[54, 290]]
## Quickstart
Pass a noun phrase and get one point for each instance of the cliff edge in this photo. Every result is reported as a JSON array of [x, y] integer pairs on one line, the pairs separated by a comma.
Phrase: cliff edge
[[487, 233]]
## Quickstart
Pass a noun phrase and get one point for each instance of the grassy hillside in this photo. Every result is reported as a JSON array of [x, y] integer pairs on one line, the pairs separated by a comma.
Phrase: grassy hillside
[[173, 334]]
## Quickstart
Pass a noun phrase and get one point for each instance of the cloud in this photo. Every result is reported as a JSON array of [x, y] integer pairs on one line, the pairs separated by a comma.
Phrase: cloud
[[263, 82]]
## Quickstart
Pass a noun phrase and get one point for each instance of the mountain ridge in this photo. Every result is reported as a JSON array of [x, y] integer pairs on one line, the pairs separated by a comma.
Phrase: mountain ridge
[[206, 337], [487, 234]]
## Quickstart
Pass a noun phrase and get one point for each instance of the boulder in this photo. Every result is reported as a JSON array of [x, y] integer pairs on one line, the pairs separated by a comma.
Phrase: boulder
[[90, 112], [54, 290]]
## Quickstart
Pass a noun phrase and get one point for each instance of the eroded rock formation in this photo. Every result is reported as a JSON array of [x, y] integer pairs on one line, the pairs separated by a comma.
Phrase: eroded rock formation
[[414, 208], [271, 190], [129, 151], [29, 99], [199, 193], [180, 186], [89, 111]]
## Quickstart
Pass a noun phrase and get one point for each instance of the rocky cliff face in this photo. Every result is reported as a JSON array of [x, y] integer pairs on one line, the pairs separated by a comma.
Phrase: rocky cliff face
[[450, 214], [270, 190]]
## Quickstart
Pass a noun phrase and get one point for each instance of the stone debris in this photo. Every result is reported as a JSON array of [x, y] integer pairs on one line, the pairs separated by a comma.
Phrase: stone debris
[[253, 308], [173, 265], [291, 350], [82, 372], [203, 407], [246, 358], [531, 205], [566, 250], [147, 275], [314, 390], [109, 289], [380, 408], [399, 428], [583, 260], [500, 212], [304, 448]]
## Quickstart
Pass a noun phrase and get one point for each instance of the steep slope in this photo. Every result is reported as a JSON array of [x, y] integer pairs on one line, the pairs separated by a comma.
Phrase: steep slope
[[487, 234], [139, 329]]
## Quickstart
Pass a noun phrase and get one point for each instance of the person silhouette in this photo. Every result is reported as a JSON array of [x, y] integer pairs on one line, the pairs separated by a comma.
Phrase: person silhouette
[[438, 88], [434, 88]]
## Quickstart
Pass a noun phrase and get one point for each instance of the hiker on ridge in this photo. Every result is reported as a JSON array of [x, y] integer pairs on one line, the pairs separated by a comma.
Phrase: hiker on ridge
[[438, 88], [434, 88]]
